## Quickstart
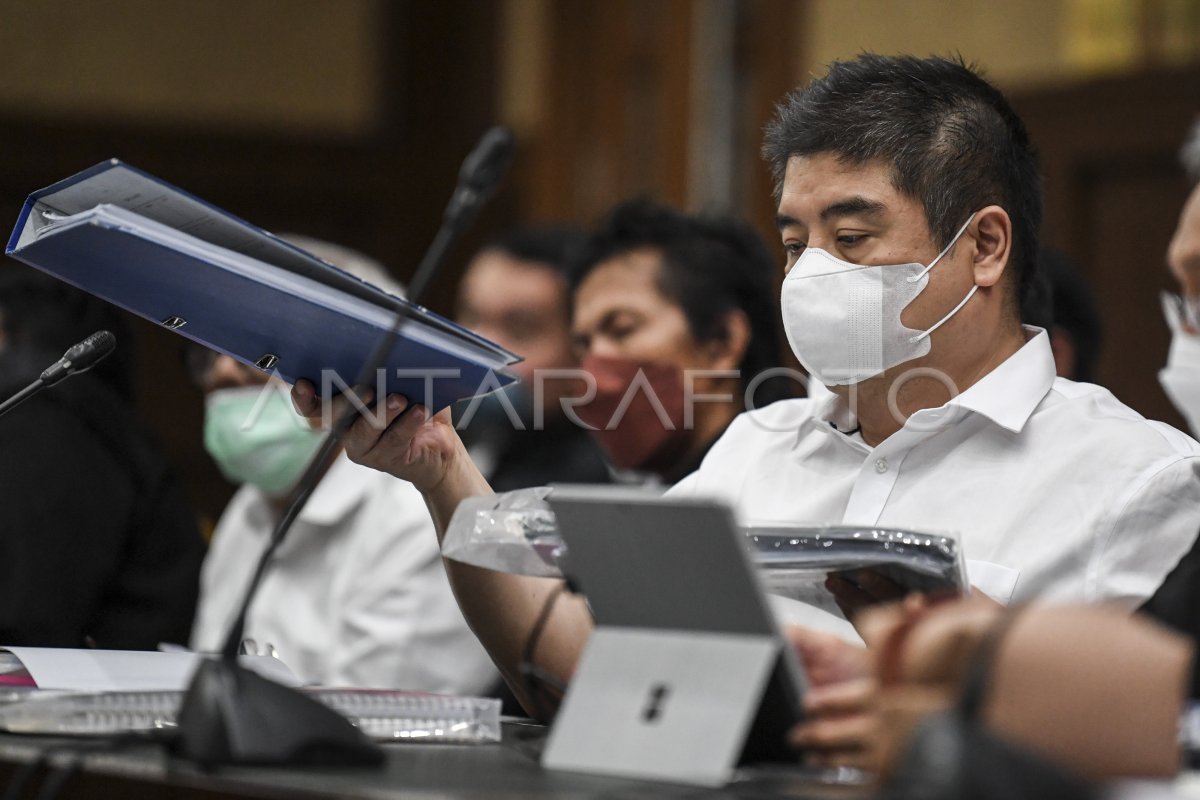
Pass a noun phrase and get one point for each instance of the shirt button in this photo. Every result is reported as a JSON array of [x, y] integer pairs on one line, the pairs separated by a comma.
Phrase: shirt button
[[881, 465]]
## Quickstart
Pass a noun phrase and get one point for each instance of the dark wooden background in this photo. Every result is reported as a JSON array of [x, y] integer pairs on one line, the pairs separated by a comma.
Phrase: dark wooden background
[[616, 121]]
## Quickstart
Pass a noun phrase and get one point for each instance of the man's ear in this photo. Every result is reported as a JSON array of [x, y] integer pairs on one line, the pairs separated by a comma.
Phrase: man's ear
[[992, 232], [727, 350]]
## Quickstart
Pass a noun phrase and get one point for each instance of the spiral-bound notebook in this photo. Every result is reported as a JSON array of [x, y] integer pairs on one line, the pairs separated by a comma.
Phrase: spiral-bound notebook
[[383, 715]]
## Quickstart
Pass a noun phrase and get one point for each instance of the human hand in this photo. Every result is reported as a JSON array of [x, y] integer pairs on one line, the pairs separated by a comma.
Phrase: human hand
[[842, 724], [926, 640], [828, 659], [851, 720], [840, 721], [856, 589], [394, 436]]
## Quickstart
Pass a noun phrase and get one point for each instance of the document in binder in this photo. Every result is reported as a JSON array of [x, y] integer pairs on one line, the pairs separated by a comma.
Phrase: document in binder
[[166, 255]]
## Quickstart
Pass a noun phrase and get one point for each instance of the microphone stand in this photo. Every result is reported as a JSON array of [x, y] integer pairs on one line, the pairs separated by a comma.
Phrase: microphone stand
[[231, 715], [21, 396], [79, 358]]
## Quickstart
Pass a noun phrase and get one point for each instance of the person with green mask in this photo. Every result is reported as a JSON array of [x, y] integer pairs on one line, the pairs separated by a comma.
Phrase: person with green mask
[[356, 595]]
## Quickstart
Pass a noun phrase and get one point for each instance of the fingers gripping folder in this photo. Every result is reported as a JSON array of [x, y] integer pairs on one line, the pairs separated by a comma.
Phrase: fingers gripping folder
[[686, 674]]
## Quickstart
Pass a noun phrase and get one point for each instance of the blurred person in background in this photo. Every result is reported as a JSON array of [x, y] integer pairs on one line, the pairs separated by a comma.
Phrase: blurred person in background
[[686, 303], [1063, 304], [1177, 601], [356, 595], [964, 698], [98, 546], [514, 292], [1181, 377]]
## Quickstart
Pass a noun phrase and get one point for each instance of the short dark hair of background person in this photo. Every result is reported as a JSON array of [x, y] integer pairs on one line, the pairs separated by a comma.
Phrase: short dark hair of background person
[[711, 265]]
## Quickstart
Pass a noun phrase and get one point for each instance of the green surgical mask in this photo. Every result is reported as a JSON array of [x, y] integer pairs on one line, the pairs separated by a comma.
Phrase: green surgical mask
[[256, 437]]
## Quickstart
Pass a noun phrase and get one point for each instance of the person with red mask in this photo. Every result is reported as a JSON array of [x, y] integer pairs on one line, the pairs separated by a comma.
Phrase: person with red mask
[[673, 324], [515, 292]]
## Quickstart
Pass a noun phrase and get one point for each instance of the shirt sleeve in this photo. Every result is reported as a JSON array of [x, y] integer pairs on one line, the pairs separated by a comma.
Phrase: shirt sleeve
[[1176, 604], [686, 488], [1152, 528]]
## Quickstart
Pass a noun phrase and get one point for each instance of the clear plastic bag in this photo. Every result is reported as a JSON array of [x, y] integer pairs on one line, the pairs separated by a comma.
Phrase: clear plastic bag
[[514, 532], [796, 560]]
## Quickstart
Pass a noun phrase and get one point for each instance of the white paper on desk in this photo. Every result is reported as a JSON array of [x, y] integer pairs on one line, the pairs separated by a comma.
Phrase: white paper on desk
[[128, 670]]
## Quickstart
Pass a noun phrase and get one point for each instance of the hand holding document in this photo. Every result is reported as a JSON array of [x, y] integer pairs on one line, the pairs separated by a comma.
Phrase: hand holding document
[[182, 263]]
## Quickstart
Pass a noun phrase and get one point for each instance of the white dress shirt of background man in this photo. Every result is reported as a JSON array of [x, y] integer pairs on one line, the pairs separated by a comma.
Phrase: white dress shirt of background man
[[356, 595]]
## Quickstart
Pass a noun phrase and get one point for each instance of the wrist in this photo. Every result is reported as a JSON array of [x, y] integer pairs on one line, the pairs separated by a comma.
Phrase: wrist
[[458, 480]]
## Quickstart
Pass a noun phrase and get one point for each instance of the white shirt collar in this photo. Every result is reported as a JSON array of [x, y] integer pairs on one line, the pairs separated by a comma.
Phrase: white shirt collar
[[830, 409], [1007, 395]]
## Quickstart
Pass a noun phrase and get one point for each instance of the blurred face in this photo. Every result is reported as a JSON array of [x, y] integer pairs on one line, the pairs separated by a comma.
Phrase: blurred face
[[624, 326], [251, 430], [1183, 255], [210, 370], [520, 305], [620, 313]]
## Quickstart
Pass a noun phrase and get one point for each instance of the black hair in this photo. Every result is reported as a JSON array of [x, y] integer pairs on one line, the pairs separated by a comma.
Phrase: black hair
[[710, 266], [41, 313], [952, 141], [1074, 310], [555, 247]]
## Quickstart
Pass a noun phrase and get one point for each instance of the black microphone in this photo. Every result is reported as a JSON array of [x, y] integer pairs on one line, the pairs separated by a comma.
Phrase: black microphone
[[481, 172], [480, 176], [77, 359], [231, 715], [80, 358]]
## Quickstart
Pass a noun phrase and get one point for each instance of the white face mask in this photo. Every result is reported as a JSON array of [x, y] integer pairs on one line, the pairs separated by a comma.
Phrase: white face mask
[[843, 320]]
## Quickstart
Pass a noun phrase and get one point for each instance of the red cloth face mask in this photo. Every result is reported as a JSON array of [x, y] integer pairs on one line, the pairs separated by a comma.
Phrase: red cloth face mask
[[637, 412]]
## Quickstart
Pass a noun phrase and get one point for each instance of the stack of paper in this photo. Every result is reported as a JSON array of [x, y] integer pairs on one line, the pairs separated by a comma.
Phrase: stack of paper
[[383, 715], [88, 670], [103, 692], [795, 560]]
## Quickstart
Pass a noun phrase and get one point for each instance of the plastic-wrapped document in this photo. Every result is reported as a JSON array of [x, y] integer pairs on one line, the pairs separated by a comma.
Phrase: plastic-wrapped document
[[795, 561], [381, 714], [517, 532]]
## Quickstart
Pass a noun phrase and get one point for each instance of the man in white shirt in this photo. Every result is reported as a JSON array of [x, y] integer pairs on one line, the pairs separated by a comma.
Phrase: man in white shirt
[[1099, 505], [909, 205], [953, 419], [356, 594]]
